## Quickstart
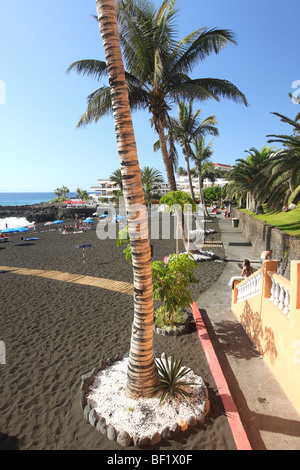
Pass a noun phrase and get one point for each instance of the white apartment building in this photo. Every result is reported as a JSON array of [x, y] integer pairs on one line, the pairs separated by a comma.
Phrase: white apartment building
[[105, 188]]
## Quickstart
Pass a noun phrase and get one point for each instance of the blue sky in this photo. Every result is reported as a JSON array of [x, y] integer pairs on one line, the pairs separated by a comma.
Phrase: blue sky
[[40, 104]]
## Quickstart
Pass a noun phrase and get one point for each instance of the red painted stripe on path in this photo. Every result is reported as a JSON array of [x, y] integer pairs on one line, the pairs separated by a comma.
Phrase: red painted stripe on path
[[232, 414]]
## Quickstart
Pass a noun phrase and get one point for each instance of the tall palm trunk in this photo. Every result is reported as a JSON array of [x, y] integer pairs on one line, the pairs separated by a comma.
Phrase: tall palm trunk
[[140, 377], [200, 179], [165, 154], [186, 152]]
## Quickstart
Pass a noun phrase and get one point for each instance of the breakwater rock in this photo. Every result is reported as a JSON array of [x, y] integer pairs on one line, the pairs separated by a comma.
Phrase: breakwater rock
[[45, 212], [33, 213]]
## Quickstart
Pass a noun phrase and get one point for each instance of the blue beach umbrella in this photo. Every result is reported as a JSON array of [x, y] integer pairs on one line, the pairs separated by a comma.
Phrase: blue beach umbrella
[[22, 229], [58, 222], [8, 230], [119, 217], [89, 220]]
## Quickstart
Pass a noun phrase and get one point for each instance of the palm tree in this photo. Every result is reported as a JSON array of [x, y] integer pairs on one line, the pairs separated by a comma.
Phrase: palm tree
[[116, 177], [186, 128], [82, 194], [141, 376], [58, 193], [158, 67], [248, 175], [150, 176], [65, 191], [181, 171], [201, 155], [283, 182], [62, 192]]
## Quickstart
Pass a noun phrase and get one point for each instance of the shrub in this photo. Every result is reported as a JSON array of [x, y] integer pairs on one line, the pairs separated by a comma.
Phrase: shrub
[[171, 283], [170, 374]]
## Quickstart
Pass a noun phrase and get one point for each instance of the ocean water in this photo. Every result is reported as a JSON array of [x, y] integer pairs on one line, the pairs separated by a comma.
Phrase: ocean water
[[21, 199]]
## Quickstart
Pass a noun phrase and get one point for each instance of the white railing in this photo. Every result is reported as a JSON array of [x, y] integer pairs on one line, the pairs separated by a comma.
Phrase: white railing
[[280, 293], [249, 287]]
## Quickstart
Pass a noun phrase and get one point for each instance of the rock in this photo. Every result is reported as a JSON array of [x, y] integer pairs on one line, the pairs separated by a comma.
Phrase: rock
[[155, 438], [175, 428], [86, 411], [36, 212], [124, 439], [102, 365], [111, 433], [101, 425], [110, 361], [183, 425], [141, 441], [191, 421], [84, 390], [166, 433], [118, 357], [89, 377], [93, 417]]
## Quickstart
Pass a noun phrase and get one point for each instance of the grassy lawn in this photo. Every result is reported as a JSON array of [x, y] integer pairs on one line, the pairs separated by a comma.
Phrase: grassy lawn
[[288, 222]]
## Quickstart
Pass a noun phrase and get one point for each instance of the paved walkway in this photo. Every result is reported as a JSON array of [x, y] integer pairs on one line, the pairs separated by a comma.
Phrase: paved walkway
[[117, 286], [269, 419]]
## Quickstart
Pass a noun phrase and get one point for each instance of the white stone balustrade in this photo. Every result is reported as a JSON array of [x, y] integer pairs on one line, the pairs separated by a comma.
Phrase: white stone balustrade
[[249, 287], [280, 293]]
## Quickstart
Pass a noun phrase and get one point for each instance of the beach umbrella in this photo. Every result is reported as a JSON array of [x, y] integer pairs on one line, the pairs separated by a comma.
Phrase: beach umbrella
[[119, 217], [89, 220], [8, 230], [103, 216], [22, 229], [58, 222]]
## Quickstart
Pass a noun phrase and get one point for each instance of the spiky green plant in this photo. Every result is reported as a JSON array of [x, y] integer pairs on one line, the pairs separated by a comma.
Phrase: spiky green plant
[[170, 374]]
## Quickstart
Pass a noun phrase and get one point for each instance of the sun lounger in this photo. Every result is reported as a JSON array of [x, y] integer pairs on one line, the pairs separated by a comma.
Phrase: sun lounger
[[5, 239], [28, 239]]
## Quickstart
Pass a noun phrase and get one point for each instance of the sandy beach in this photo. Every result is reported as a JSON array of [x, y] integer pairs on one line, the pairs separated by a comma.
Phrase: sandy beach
[[55, 331]]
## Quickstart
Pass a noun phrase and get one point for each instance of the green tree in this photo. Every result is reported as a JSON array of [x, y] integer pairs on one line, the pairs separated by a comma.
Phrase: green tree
[[62, 193], [158, 67], [247, 175], [150, 176], [212, 194], [82, 194], [116, 177], [282, 185], [172, 283], [181, 171], [200, 156], [188, 127]]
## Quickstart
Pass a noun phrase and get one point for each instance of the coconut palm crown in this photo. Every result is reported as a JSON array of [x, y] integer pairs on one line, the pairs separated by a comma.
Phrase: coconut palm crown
[[158, 67]]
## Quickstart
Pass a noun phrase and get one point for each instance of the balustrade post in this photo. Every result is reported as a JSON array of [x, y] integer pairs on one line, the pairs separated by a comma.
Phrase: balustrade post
[[267, 265], [295, 290]]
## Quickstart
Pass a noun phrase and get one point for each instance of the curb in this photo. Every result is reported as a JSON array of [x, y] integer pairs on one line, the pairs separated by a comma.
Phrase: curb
[[232, 414]]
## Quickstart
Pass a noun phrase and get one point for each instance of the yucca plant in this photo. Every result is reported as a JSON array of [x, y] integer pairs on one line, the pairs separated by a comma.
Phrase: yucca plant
[[170, 374]]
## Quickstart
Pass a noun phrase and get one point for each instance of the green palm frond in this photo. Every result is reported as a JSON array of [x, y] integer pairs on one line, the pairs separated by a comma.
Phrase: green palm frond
[[90, 67]]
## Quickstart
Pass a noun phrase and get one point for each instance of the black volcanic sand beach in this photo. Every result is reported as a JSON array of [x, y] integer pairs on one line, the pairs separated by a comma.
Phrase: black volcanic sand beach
[[55, 331]]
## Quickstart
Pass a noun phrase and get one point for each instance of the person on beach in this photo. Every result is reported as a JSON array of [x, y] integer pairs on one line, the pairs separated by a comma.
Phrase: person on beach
[[267, 254], [246, 272], [247, 269]]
